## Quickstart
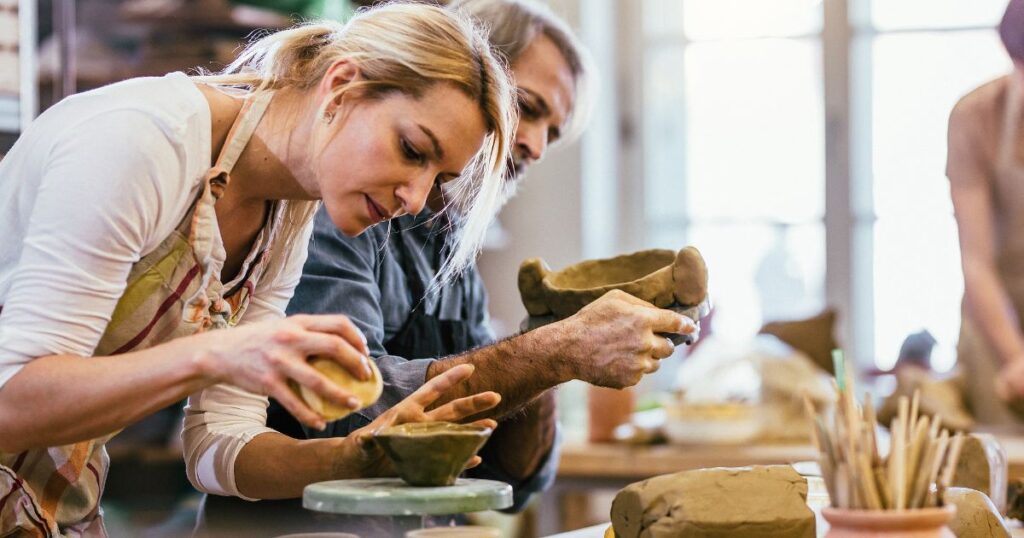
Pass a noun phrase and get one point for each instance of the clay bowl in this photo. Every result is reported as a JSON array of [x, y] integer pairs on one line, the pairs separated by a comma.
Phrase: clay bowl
[[431, 453], [661, 277]]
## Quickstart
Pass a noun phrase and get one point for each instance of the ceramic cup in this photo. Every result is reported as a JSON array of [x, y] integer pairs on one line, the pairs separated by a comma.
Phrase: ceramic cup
[[922, 523]]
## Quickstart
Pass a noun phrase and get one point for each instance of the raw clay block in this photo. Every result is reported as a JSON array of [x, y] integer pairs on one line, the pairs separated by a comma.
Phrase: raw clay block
[[983, 466], [976, 516], [743, 502]]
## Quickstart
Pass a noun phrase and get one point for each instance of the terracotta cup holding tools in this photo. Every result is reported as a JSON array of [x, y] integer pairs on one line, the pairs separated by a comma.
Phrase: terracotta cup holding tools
[[918, 523]]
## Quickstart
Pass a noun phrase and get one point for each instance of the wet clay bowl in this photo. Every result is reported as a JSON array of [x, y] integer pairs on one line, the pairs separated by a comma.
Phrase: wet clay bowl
[[431, 453], [661, 277]]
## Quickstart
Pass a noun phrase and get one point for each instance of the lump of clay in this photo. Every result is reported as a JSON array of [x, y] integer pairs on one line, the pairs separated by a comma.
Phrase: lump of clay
[[976, 516], [983, 467], [366, 391], [716, 503], [661, 277], [1015, 499]]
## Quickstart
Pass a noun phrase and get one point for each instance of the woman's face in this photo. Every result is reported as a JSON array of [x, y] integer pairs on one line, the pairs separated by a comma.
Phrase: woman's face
[[388, 152]]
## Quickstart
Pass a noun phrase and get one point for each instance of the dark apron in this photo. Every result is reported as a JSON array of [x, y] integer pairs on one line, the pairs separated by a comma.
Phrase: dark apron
[[422, 336]]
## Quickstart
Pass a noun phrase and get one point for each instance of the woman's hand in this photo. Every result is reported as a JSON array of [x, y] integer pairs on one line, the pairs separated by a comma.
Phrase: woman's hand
[[263, 357], [363, 457]]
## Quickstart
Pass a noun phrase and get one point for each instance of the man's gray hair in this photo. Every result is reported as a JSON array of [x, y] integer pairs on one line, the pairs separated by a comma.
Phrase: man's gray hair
[[512, 25]]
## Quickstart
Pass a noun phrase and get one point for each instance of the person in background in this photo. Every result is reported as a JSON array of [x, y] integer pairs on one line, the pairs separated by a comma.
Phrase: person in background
[[986, 173], [152, 232], [384, 281]]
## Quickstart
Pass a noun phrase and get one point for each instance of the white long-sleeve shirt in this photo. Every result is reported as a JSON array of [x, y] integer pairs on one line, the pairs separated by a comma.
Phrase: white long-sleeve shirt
[[94, 184]]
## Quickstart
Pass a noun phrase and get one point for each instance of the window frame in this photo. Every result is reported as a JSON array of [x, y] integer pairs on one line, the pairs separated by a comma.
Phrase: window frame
[[850, 217]]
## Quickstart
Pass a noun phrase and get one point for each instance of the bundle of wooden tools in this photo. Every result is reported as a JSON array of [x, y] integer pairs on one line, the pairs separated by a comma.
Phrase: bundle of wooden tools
[[921, 460]]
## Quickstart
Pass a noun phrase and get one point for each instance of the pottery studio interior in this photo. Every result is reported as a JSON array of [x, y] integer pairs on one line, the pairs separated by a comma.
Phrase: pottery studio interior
[[512, 268]]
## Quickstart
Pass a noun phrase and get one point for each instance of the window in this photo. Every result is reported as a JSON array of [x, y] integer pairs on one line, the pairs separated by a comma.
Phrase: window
[[912, 60], [734, 145], [734, 150]]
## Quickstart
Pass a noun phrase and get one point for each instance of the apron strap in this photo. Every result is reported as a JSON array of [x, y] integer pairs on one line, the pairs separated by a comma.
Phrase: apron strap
[[241, 131], [203, 233]]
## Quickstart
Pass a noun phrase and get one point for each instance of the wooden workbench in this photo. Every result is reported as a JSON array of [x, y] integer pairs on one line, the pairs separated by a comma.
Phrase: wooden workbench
[[586, 468]]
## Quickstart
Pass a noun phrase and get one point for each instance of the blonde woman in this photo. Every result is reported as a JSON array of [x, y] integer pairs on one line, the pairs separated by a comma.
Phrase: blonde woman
[[136, 218]]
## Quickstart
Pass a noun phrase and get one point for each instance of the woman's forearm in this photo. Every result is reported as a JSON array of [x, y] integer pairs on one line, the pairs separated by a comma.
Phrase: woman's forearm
[[64, 399], [275, 466]]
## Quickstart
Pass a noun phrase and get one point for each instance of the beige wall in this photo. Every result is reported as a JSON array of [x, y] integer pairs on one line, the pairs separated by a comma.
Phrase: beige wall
[[543, 220]]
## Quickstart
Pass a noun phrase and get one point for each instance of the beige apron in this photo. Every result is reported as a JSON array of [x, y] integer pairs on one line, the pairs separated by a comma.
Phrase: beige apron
[[173, 291], [978, 360]]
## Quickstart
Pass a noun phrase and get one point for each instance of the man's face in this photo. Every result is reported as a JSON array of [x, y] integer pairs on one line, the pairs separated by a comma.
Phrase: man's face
[[546, 90]]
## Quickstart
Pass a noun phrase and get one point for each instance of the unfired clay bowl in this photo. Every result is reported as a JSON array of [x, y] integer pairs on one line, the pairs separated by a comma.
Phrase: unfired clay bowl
[[431, 453], [661, 277]]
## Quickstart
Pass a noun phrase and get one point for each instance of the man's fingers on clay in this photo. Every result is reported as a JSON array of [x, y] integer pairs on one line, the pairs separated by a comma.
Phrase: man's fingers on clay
[[667, 321], [631, 299], [662, 347]]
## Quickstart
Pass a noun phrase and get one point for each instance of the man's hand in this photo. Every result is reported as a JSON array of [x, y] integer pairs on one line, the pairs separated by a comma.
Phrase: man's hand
[[618, 338]]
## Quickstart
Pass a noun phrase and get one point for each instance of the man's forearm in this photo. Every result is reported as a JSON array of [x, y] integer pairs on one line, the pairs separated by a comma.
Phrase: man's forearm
[[520, 368], [521, 441]]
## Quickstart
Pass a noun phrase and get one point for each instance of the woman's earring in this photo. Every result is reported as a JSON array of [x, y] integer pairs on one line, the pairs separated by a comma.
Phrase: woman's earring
[[328, 117]]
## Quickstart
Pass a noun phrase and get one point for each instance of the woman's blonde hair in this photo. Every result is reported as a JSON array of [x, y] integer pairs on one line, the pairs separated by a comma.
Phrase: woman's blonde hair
[[512, 25], [399, 48]]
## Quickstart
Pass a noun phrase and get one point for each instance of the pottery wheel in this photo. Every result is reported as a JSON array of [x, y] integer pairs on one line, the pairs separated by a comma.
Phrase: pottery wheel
[[393, 497]]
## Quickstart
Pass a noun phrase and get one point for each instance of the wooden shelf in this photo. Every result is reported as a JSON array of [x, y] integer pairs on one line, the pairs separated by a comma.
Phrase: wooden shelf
[[640, 462], [197, 23]]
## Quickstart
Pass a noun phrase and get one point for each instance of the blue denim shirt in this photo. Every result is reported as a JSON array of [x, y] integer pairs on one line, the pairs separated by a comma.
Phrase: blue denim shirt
[[362, 277]]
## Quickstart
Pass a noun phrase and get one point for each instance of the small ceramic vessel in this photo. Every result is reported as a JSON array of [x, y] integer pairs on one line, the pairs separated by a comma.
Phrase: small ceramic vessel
[[431, 453], [920, 523]]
